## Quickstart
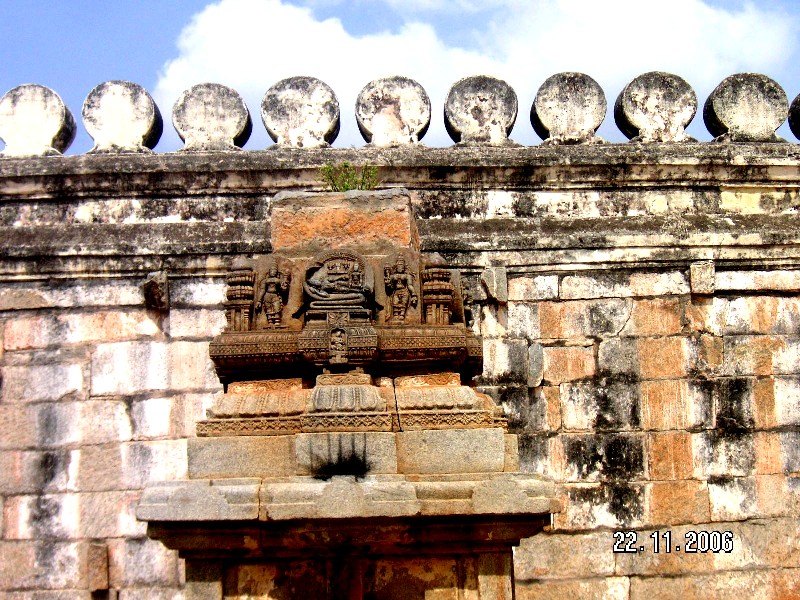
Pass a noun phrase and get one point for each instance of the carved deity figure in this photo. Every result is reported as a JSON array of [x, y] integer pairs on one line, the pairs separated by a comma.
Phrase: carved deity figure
[[337, 281], [271, 297], [400, 287]]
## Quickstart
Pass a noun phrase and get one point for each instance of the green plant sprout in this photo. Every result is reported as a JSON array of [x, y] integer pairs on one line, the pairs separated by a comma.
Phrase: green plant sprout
[[344, 177]]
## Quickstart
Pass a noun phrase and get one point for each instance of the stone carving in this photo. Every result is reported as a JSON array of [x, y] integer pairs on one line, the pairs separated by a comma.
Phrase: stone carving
[[271, 297], [239, 299], [400, 288], [438, 296], [339, 280]]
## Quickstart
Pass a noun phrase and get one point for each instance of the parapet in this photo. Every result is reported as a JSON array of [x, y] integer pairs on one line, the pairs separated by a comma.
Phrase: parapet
[[303, 112]]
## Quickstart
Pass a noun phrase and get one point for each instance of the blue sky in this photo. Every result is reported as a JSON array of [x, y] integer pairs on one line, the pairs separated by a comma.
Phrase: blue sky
[[250, 44]]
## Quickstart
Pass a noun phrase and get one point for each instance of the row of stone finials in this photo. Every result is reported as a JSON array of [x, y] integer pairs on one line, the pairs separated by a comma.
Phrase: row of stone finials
[[303, 112]]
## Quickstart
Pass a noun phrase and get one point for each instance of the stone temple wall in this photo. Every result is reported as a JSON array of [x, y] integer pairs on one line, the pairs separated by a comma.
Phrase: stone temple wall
[[638, 305]]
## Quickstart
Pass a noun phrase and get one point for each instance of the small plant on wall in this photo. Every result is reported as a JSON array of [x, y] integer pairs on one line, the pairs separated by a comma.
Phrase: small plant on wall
[[344, 176]]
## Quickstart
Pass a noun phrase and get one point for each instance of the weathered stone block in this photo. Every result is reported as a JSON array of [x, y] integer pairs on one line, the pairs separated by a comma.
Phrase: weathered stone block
[[662, 358], [535, 364], [496, 283], [783, 280], [567, 363], [768, 453], [551, 556], [141, 562], [53, 516], [153, 418], [494, 321], [701, 277], [618, 356], [541, 287], [336, 453], [86, 422], [199, 323], [523, 320], [583, 319], [29, 471], [197, 292], [606, 403], [732, 498], [670, 455], [451, 451], [604, 457], [505, 360], [110, 515], [83, 294], [575, 287], [591, 505], [790, 451], [607, 588], [43, 565], [128, 466], [678, 502], [244, 456], [33, 383], [60, 329], [722, 454], [17, 422], [654, 317]]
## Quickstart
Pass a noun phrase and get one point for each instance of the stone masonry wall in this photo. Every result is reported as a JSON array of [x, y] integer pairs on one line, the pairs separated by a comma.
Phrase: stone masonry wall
[[641, 323]]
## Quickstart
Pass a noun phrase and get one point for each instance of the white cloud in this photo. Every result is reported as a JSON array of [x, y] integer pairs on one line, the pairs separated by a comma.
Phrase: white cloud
[[251, 44]]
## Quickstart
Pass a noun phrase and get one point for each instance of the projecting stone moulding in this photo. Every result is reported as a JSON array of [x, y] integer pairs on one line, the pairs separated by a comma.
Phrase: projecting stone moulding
[[345, 440]]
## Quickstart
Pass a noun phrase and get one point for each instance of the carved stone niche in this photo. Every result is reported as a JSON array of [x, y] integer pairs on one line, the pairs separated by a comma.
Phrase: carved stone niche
[[348, 456]]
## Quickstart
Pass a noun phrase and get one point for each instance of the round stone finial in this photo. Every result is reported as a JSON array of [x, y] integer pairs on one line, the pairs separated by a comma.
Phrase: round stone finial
[[656, 107], [568, 109], [211, 116], [393, 111], [34, 121], [746, 107], [301, 112], [794, 116], [121, 117], [480, 110]]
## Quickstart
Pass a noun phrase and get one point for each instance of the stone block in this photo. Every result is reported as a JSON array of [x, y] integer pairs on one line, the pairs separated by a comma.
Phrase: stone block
[[197, 292], [505, 360], [706, 314], [782, 280], [200, 323], [535, 364], [594, 505], [128, 466], [576, 287], [154, 418], [141, 562], [451, 451], [790, 451], [377, 222], [666, 404], [618, 356], [18, 424], [82, 294], [53, 516], [605, 404], [542, 454], [86, 422], [34, 383], [768, 453], [28, 471], [701, 277], [201, 500], [717, 586], [654, 317], [583, 319], [495, 282], [678, 502], [567, 363], [605, 588], [554, 556], [732, 498], [523, 320], [663, 358], [160, 366], [669, 455], [722, 454], [494, 321], [110, 515], [752, 354], [537, 287], [78, 328], [242, 456], [43, 565], [774, 498], [615, 457], [336, 453]]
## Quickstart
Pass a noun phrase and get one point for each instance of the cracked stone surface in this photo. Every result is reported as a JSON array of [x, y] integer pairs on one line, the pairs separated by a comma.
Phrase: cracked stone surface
[[480, 110]]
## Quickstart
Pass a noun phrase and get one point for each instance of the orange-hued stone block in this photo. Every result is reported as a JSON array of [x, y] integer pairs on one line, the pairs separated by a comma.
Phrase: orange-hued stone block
[[768, 453], [552, 398], [764, 415], [568, 363], [375, 222], [664, 404], [661, 358], [670, 455], [658, 316], [676, 502]]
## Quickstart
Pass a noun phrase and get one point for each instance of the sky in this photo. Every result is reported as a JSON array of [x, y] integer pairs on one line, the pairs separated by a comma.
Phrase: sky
[[72, 46]]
